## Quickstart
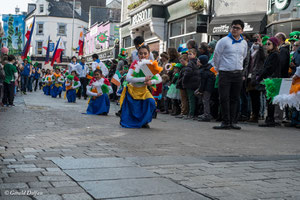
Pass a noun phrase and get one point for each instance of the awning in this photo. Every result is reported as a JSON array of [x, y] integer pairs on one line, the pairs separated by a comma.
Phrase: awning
[[254, 23]]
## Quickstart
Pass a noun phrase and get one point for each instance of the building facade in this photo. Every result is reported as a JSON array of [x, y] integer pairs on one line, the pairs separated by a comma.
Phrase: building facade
[[253, 13], [54, 19], [283, 16], [162, 23], [100, 39]]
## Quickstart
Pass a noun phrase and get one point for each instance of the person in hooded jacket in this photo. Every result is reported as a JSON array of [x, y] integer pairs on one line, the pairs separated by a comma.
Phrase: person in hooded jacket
[[191, 81]]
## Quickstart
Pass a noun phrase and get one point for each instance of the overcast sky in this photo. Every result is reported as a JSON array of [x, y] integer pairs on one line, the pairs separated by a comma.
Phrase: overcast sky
[[8, 6]]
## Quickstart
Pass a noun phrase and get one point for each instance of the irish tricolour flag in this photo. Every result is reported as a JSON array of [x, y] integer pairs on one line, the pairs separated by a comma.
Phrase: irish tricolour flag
[[283, 92], [116, 79]]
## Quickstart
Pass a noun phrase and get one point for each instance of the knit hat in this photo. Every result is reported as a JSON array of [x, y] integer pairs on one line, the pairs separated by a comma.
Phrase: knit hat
[[178, 65], [274, 40], [203, 59], [36, 64], [294, 36], [264, 40], [70, 77], [213, 44]]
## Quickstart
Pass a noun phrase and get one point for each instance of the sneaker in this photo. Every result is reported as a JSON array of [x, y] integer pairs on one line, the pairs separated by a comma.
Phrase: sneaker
[[204, 119], [146, 126], [267, 124], [165, 112], [179, 116], [187, 117], [289, 125]]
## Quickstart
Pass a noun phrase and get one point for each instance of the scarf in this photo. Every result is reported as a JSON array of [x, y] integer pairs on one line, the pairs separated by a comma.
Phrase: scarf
[[234, 40], [82, 65]]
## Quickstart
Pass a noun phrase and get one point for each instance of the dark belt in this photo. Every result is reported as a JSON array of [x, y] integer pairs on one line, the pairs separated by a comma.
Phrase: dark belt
[[232, 72]]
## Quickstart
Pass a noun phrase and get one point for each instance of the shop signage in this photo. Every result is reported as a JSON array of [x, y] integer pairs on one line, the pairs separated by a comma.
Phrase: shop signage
[[141, 16], [106, 55], [221, 29], [102, 38], [248, 27], [279, 4]]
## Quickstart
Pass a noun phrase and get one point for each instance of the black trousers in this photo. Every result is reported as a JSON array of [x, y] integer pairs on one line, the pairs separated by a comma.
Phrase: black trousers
[[271, 111], [255, 102], [82, 89], [9, 93], [36, 83], [230, 84]]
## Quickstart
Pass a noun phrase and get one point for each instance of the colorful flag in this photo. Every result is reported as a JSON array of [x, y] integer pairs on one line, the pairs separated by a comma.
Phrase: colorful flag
[[81, 43], [28, 36], [47, 58], [57, 55], [116, 79]]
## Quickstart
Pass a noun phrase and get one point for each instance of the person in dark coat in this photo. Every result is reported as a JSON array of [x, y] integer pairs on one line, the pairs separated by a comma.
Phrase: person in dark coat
[[191, 81], [271, 69], [256, 64], [284, 54], [207, 82]]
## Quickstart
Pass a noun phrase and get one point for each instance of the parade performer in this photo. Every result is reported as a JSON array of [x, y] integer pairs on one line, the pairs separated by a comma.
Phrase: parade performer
[[98, 90], [72, 84], [48, 83], [137, 103], [72, 64], [58, 81]]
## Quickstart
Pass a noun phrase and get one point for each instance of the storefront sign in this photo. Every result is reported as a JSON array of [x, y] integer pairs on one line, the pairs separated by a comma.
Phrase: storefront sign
[[248, 28], [141, 17], [106, 55], [279, 4], [221, 29]]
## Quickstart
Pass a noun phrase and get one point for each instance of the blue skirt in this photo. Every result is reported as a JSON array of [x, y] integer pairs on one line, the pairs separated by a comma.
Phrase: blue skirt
[[71, 95], [98, 106], [46, 90], [64, 86], [56, 91], [136, 113]]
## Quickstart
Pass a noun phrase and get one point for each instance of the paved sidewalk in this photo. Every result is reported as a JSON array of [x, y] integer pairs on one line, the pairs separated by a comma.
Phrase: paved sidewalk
[[49, 150]]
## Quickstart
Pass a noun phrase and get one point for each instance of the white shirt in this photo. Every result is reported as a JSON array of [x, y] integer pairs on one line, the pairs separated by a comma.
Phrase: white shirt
[[72, 67], [228, 56], [97, 84], [102, 67], [82, 71], [135, 56], [139, 82]]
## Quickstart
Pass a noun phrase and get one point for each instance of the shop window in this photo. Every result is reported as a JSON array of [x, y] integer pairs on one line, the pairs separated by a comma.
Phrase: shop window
[[180, 40], [177, 28], [191, 24], [127, 42], [61, 29]]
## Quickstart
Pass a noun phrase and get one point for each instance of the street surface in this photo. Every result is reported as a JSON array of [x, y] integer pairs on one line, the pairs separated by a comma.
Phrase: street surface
[[49, 150]]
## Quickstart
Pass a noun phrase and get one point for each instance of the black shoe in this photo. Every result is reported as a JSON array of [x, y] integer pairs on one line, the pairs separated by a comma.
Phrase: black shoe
[[104, 114], [222, 127], [85, 98], [146, 126], [59, 95], [234, 126], [165, 112], [118, 113], [267, 124], [179, 116]]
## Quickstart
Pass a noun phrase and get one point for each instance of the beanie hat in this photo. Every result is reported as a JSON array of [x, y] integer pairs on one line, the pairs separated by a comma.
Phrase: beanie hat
[[203, 59], [274, 40], [212, 44], [265, 39]]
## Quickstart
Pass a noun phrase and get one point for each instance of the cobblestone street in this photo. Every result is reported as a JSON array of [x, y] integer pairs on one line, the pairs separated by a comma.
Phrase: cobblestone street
[[49, 150]]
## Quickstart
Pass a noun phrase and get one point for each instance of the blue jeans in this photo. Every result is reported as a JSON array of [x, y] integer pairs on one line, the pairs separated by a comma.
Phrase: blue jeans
[[29, 85], [24, 83]]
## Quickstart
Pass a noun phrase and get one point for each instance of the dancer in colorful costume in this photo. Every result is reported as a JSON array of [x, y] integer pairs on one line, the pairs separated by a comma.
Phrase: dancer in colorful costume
[[72, 84], [137, 103], [58, 81], [98, 90], [48, 83]]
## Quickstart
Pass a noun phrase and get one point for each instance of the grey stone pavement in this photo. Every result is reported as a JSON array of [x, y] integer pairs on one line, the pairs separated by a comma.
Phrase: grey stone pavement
[[49, 150]]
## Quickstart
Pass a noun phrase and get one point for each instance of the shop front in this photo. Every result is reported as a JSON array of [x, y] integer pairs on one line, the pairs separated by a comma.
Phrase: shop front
[[254, 23], [103, 55], [283, 16], [149, 22]]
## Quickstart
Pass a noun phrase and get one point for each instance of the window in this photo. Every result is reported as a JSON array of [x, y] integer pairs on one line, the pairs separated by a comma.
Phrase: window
[[127, 42], [41, 8], [191, 24], [39, 46], [40, 29], [177, 28], [61, 29]]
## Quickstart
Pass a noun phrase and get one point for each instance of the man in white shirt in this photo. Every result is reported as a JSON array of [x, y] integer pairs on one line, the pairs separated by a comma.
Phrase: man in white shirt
[[97, 64], [228, 60], [72, 64], [82, 70]]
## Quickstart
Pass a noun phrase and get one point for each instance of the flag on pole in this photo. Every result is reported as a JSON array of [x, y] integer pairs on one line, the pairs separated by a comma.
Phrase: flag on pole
[[81, 43], [57, 55], [45, 43], [47, 58], [28, 36]]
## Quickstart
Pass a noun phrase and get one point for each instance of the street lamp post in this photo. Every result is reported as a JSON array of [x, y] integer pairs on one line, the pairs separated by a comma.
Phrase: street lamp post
[[73, 27]]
